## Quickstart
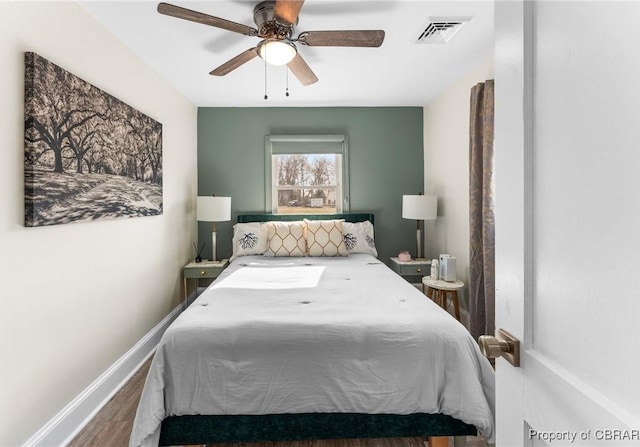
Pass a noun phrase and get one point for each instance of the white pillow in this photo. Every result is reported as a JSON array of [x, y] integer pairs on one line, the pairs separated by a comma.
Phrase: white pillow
[[286, 239], [249, 239], [358, 237], [324, 238]]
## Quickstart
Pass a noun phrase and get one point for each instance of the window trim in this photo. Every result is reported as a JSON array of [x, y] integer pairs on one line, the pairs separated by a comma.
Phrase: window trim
[[269, 151]]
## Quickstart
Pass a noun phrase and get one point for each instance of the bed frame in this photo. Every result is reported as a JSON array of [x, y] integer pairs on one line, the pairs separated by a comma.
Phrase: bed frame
[[348, 217], [212, 429]]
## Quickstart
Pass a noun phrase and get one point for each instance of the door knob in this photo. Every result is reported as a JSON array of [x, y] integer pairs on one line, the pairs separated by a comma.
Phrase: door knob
[[502, 345]]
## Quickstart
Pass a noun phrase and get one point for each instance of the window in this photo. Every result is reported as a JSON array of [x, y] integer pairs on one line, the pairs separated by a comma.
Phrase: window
[[306, 174]]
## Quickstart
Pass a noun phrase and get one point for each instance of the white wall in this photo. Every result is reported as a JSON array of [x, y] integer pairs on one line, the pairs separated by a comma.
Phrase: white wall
[[75, 297], [446, 170]]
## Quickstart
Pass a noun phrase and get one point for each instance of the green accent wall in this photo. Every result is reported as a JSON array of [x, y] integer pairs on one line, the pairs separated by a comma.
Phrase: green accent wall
[[385, 162]]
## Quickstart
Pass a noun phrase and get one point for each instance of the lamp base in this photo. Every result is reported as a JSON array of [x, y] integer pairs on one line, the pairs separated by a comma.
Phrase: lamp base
[[213, 246]]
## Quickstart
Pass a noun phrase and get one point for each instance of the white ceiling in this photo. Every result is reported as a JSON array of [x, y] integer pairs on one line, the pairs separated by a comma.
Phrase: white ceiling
[[399, 73]]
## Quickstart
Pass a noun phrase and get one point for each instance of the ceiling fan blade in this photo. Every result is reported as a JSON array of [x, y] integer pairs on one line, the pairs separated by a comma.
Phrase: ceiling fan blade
[[302, 71], [235, 62], [195, 16], [362, 38], [286, 11]]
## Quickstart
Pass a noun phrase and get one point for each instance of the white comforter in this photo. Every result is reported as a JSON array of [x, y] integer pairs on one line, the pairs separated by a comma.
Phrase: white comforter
[[304, 335]]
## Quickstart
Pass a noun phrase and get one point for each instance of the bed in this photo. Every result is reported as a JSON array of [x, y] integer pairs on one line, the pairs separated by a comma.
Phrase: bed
[[313, 347]]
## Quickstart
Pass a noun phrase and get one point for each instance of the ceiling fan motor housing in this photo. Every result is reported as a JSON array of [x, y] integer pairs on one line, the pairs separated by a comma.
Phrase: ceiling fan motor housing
[[268, 26]]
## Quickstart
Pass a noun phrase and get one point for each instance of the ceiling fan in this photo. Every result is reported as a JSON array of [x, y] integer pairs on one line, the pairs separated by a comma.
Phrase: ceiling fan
[[275, 21]]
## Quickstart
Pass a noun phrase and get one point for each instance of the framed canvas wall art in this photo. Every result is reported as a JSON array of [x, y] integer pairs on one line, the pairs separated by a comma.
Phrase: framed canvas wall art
[[88, 155]]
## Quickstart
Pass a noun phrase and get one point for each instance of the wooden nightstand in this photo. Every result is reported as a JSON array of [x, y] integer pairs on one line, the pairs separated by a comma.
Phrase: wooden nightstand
[[412, 269], [204, 269]]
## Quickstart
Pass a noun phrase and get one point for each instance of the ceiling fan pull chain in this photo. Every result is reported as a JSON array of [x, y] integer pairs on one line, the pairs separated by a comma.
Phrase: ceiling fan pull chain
[[286, 73], [265, 78]]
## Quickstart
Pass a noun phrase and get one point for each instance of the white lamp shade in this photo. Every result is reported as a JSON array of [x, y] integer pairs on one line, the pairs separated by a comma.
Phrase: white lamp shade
[[420, 207], [213, 209]]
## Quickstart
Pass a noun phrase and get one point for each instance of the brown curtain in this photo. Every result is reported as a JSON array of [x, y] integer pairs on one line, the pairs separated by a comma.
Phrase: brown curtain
[[481, 212]]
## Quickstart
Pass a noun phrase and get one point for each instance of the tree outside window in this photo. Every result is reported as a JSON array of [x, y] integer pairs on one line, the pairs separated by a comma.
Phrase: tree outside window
[[306, 183], [306, 175]]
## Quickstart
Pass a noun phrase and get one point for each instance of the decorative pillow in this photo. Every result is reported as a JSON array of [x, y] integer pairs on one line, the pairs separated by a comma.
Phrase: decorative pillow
[[324, 238], [285, 239], [249, 239], [358, 238]]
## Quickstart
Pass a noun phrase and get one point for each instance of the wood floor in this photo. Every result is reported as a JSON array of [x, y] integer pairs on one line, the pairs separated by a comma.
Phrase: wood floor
[[112, 425]]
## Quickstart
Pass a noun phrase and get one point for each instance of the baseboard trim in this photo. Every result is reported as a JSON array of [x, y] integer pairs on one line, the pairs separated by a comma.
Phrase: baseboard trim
[[65, 425]]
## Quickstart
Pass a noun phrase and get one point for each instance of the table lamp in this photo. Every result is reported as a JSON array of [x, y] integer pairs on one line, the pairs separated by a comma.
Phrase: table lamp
[[419, 207], [213, 209]]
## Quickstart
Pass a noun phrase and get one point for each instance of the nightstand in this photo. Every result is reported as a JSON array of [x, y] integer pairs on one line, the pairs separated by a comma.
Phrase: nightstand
[[412, 269], [438, 289], [204, 269]]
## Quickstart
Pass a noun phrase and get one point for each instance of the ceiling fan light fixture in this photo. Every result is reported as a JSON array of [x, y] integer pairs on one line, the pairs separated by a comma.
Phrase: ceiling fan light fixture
[[277, 52]]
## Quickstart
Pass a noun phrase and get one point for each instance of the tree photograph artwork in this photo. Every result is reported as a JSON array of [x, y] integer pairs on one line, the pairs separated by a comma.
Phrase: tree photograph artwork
[[87, 154]]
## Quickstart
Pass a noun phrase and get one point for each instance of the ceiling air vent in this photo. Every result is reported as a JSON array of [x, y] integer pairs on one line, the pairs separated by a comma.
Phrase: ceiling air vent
[[442, 29]]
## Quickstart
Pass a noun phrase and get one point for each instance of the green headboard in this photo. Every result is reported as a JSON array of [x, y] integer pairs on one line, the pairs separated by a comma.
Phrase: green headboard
[[348, 217]]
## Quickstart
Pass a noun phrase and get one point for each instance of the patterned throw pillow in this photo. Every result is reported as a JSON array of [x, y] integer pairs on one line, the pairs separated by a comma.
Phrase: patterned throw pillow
[[324, 238], [249, 239], [358, 238], [285, 239]]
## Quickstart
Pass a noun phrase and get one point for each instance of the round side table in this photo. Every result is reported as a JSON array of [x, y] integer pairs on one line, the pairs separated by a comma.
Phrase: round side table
[[437, 290]]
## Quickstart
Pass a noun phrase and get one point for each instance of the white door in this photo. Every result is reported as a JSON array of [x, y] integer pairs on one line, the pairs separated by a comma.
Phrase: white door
[[567, 126]]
